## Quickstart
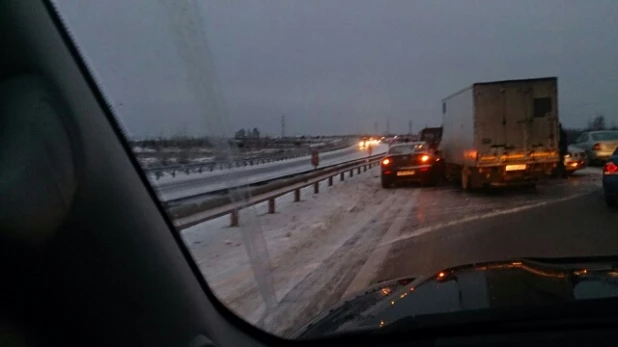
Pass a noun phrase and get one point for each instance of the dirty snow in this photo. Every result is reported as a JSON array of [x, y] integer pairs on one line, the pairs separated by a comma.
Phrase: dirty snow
[[299, 237]]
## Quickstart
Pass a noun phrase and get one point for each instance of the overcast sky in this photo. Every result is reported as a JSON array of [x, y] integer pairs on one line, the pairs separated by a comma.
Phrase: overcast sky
[[334, 66]]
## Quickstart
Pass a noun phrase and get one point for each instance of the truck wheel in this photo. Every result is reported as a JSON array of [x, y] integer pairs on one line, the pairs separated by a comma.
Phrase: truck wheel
[[610, 200], [430, 181], [465, 179]]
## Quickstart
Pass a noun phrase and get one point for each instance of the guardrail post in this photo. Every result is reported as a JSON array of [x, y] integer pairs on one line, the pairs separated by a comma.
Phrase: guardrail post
[[341, 178], [330, 181], [234, 218], [358, 172], [297, 195], [271, 205], [364, 168], [316, 187], [351, 172]]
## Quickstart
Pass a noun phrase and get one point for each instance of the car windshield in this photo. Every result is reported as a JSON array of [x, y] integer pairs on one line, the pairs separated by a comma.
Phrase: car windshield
[[408, 149], [265, 127], [605, 136]]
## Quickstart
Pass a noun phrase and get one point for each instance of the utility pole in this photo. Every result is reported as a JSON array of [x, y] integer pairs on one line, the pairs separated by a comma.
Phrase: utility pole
[[282, 126], [410, 127], [388, 127]]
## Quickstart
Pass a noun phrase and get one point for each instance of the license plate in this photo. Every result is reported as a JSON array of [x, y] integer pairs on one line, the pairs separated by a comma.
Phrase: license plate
[[405, 173], [516, 167]]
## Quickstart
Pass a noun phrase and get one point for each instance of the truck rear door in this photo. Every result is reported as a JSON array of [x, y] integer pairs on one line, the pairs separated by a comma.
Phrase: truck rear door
[[543, 135], [500, 112], [518, 119]]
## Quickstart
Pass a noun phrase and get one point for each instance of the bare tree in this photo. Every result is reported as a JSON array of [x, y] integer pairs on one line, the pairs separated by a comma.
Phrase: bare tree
[[599, 122]]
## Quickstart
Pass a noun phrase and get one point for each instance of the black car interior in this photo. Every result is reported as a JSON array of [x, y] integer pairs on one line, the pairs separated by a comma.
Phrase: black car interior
[[88, 255]]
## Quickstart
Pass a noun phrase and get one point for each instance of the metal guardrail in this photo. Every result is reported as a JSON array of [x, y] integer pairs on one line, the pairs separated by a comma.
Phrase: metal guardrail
[[158, 172], [187, 216]]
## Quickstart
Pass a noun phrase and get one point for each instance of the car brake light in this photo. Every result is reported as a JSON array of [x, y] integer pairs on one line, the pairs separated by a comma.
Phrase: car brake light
[[424, 158], [610, 168], [386, 161], [596, 147]]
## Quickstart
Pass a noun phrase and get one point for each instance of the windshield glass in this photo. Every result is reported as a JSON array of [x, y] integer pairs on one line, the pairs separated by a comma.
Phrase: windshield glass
[[265, 129], [605, 136]]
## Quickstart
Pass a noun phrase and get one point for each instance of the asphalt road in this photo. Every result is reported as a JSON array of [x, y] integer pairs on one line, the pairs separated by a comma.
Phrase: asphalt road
[[561, 219], [335, 244]]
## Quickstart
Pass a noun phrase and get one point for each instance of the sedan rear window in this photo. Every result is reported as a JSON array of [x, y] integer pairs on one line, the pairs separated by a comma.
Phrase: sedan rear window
[[605, 136], [413, 148]]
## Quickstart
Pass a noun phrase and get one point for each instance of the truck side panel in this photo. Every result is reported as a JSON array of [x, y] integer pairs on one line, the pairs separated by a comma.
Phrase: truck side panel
[[457, 145]]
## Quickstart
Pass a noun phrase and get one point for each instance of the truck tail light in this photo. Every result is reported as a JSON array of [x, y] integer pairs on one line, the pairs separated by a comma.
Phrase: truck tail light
[[610, 168], [424, 158], [596, 147]]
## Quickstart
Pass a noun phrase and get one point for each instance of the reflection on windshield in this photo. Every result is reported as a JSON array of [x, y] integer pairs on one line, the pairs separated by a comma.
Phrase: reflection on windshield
[[267, 131]]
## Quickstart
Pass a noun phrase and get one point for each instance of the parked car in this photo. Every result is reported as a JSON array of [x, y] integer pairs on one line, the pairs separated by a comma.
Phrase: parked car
[[575, 159], [412, 161], [599, 145], [610, 179]]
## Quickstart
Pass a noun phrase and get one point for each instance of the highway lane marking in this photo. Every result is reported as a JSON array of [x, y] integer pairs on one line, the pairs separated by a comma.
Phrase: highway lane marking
[[375, 260], [431, 228]]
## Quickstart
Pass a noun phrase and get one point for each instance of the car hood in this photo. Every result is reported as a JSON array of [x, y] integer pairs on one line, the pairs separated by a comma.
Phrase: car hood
[[504, 284]]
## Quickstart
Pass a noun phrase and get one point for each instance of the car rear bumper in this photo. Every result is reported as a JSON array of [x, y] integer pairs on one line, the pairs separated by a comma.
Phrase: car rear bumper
[[573, 165], [610, 185], [600, 155], [412, 173]]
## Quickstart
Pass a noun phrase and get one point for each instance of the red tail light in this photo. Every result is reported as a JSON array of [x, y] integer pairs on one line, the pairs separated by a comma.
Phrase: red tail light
[[386, 161], [610, 168], [596, 147]]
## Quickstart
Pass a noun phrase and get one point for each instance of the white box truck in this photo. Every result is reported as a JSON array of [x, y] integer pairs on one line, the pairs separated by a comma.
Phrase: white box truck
[[501, 133]]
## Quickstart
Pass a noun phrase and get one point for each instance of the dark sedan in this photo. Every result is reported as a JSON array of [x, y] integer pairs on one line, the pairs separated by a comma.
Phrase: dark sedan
[[610, 179], [412, 161]]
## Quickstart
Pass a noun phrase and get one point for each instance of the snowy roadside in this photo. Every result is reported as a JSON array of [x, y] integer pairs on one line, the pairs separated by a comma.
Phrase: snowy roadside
[[300, 238], [331, 244], [183, 177]]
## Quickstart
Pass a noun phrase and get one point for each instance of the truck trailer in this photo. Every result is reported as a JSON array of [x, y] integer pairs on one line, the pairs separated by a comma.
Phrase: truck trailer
[[501, 133]]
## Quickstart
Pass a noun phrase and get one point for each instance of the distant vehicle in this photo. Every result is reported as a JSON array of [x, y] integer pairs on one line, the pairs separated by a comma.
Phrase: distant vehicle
[[575, 159], [501, 133], [610, 179], [412, 161], [368, 141], [400, 139], [599, 145]]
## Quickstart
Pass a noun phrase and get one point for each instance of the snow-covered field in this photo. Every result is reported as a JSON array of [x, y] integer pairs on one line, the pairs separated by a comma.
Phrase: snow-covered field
[[187, 185]]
